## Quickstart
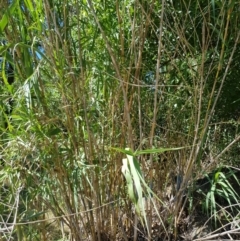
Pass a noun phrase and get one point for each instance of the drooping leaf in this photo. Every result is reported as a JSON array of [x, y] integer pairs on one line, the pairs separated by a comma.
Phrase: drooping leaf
[[127, 174], [8, 12]]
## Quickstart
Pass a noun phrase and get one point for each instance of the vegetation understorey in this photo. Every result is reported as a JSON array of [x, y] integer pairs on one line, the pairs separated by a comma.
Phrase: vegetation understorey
[[119, 120]]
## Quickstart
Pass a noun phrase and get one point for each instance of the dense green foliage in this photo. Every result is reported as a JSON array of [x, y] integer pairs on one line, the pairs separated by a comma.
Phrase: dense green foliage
[[111, 113]]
